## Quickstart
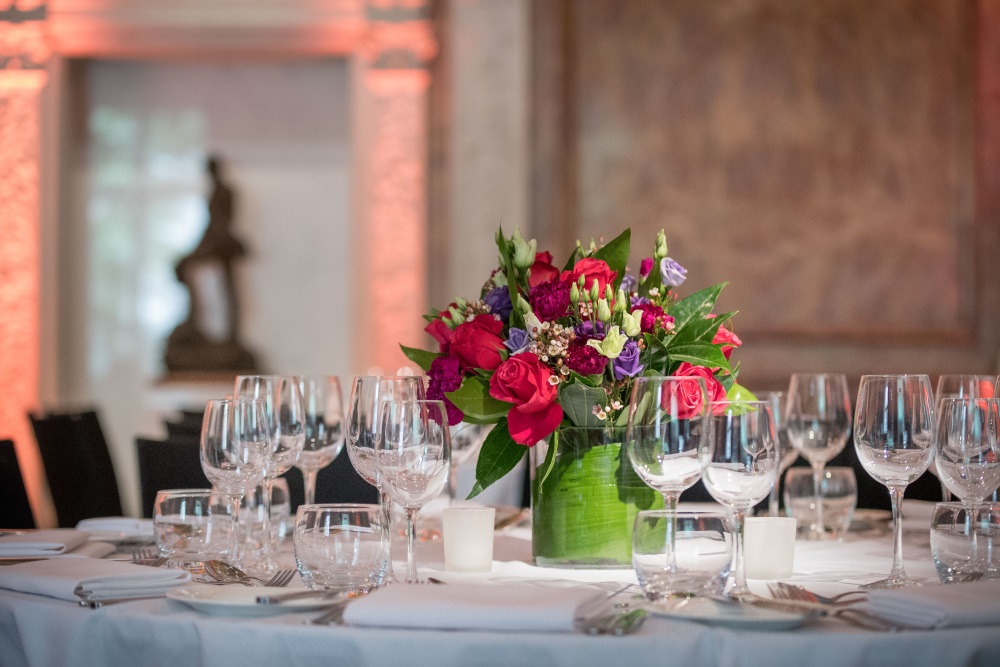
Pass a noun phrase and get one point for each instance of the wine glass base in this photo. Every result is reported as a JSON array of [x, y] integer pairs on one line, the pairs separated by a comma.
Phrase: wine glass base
[[891, 582]]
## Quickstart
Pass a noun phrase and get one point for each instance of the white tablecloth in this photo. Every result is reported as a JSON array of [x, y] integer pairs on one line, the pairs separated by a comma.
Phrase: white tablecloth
[[43, 632]]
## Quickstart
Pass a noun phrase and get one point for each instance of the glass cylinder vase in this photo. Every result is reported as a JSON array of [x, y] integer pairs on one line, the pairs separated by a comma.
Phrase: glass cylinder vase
[[584, 498]]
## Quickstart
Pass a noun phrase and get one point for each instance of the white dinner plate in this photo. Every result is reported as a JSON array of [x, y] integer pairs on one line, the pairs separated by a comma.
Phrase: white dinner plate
[[238, 600], [728, 614]]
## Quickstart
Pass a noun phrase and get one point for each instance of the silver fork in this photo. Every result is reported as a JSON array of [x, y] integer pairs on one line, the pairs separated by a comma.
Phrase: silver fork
[[281, 578], [145, 553], [972, 576], [780, 589]]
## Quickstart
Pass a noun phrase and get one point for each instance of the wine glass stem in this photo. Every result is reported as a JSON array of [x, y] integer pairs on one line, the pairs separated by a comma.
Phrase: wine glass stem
[[309, 480], [945, 494], [772, 499], [670, 503], [387, 514], [265, 504], [452, 483], [739, 579], [896, 496], [235, 553], [411, 545], [817, 470]]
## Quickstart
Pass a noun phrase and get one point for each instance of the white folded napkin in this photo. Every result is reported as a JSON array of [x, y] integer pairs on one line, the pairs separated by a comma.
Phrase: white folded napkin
[[473, 607], [125, 526], [41, 543], [90, 579], [939, 606]]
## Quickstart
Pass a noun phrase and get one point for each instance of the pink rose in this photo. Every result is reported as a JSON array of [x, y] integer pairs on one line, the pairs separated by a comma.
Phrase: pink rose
[[591, 269], [524, 381], [727, 339], [690, 399], [477, 344]]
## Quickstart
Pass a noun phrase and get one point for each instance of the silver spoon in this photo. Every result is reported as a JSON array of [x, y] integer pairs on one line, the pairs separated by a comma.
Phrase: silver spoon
[[222, 571]]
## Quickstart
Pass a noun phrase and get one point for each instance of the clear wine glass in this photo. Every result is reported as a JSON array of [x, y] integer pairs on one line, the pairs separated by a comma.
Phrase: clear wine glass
[[363, 427], [741, 465], [958, 386], [323, 405], [466, 439], [282, 400], [894, 440], [234, 446], [786, 451], [819, 421], [413, 455], [967, 450]]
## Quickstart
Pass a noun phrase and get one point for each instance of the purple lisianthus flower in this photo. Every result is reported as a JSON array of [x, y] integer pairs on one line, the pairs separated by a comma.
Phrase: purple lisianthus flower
[[517, 341], [673, 274], [590, 329], [645, 266], [627, 364], [629, 283], [639, 302], [498, 299], [443, 376]]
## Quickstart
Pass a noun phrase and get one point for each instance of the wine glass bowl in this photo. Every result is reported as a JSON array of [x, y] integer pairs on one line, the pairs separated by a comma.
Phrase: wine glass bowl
[[741, 465], [894, 441], [959, 386], [818, 419], [664, 433], [968, 451], [323, 410], [787, 453]]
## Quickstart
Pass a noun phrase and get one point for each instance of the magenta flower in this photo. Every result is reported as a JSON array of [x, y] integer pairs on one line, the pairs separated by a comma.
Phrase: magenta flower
[[444, 376]]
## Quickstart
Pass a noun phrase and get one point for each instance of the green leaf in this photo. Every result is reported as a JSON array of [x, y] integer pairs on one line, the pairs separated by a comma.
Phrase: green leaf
[[615, 253], [696, 306], [577, 401], [421, 358], [497, 457], [700, 354], [699, 330], [473, 398], [739, 393]]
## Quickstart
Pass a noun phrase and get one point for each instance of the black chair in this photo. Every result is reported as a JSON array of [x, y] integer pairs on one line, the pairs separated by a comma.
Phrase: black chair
[[339, 482], [187, 425], [15, 510], [77, 465], [167, 464]]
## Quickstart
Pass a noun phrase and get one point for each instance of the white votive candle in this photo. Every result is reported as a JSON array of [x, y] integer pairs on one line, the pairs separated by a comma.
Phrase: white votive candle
[[468, 538], [769, 547]]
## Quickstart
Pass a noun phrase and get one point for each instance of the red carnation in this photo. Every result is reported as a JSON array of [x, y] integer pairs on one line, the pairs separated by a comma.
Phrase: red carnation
[[591, 269], [584, 359]]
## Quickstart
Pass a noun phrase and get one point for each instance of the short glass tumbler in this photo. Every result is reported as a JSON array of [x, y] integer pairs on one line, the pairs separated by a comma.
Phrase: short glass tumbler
[[193, 526], [839, 490], [966, 548], [703, 549], [342, 547]]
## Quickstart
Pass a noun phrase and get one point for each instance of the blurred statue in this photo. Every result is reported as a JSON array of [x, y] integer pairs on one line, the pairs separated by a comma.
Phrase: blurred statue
[[208, 339]]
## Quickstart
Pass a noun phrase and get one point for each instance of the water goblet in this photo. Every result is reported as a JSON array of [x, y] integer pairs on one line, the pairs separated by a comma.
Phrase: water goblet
[[967, 449], [234, 445], [413, 453], [664, 437], [323, 406], [282, 400], [894, 440], [819, 421], [741, 465], [958, 386], [368, 392], [787, 453], [698, 561], [341, 547]]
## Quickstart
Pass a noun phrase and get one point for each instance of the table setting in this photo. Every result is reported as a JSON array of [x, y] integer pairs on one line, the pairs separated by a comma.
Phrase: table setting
[[622, 394]]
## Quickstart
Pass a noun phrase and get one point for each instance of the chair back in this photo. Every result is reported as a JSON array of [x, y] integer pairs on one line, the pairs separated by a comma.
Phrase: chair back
[[174, 463], [77, 465], [15, 510]]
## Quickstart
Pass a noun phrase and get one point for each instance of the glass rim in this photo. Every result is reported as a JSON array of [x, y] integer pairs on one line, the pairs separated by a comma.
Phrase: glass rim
[[721, 512], [969, 399], [344, 507], [819, 374], [192, 492], [957, 504], [895, 376]]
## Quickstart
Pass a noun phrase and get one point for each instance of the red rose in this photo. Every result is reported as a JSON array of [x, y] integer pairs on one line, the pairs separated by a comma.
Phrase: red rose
[[477, 344], [591, 269], [524, 381], [542, 271], [441, 333], [727, 339], [689, 397]]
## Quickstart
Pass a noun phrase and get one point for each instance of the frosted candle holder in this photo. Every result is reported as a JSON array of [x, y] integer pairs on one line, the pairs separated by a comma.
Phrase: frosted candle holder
[[468, 538], [770, 547]]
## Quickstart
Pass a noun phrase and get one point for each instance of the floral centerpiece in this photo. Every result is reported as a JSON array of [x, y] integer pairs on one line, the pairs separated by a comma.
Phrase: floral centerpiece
[[549, 355]]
